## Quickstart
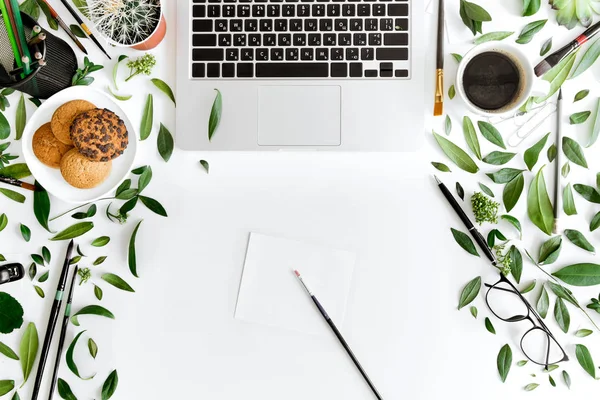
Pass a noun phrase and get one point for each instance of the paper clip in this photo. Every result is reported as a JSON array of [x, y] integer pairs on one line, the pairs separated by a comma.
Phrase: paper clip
[[525, 122]]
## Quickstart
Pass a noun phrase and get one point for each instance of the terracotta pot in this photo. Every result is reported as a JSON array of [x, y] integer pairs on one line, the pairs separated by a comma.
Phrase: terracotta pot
[[155, 38]]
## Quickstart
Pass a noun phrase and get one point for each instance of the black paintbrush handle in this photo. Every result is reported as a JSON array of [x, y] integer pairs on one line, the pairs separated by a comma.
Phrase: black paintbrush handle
[[565, 51], [46, 348], [440, 37]]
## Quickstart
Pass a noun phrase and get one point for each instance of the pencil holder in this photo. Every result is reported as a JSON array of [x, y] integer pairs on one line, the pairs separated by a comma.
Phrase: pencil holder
[[60, 63]]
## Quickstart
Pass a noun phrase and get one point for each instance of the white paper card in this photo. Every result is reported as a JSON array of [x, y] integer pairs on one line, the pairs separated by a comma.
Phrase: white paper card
[[270, 293]]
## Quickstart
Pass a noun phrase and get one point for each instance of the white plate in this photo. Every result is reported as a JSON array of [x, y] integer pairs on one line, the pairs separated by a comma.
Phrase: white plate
[[51, 179]]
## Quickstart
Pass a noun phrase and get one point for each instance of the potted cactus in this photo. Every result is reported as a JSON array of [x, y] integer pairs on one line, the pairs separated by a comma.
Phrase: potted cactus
[[139, 24]]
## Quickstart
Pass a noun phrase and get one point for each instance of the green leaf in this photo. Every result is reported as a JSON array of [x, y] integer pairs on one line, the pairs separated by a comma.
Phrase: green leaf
[[127, 194], [154, 206], [498, 158], [64, 390], [464, 241], [116, 70], [492, 36], [41, 206], [4, 127], [456, 154], [21, 117], [11, 194], [165, 143], [504, 361], [489, 132], [530, 7], [516, 263], [71, 362], [16, 171], [3, 222], [512, 192], [120, 97], [215, 115], [579, 240], [147, 118], [35, 101], [471, 137], [101, 241], [531, 386], [439, 166], [40, 292], [473, 311], [530, 30], [92, 310], [77, 31], [125, 185], [460, 191], [587, 60], [543, 303], [476, 12], [532, 154], [563, 293], [550, 250], [585, 360], [52, 22], [567, 379], [574, 152], [505, 175], [596, 127], [25, 232], [580, 117], [28, 350], [529, 287], [93, 348], [452, 92], [165, 88], [595, 224], [546, 47], [98, 292], [539, 207], [110, 385], [457, 57], [31, 8], [582, 94], [448, 125], [32, 271], [588, 193], [117, 282], [44, 277], [551, 381], [39, 260], [132, 259], [144, 179], [562, 316], [522, 363], [486, 190], [583, 333], [514, 222], [557, 76], [493, 235], [8, 352], [583, 274], [552, 152], [74, 231], [99, 260], [569, 201], [6, 386], [469, 292]]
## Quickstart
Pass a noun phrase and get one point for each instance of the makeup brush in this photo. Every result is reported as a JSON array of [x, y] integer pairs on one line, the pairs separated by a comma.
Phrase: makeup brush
[[559, 55], [438, 108]]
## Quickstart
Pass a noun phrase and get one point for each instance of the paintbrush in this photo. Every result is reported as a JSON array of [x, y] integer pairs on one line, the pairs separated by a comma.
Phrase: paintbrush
[[438, 108], [17, 183], [84, 27], [560, 55], [558, 161], [65, 27]]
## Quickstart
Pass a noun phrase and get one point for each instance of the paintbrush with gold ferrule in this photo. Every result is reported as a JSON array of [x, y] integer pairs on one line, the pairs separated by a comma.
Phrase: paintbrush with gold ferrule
[[439, 73]]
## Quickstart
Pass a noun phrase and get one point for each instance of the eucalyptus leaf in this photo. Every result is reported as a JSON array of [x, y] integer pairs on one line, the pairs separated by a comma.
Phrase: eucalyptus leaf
[[3, 221], [153, 205], [11, 194], [448, 125], [532, 154], [116, 70], [165, 143], [595, 224], [539, 207], [110, 385], [574, 152], [567, 379], [464, 241], [117, 282], [579, 117], [596, 127], [39, 260], [25, 232], [492, 36], [498, 158], [98, 292], [40, 291], [457, 57], [512, 192], [587, 192], [546, 47], [551, 381], [4, 127], [552, 152], [6, 386], [41, 206], [587, 60], [486, 190], [461, 193], [469, 292], [476, 12], [504, 361], [522, 363], [529, 287], [147, 118], [561, 315], [569, 201], [488, 325], [530, 30], [505, 175], [16, 171], [71, 361], [93, 348], [99, 260], [165, 88], [44, 277], [456, 154], [543, 303], [439, 166], [132, 259], [516, 263], [550, 250], [28, 350], [583, 333], [582, 274], [471, 137], [64, 390], [557, 76], [101, 241], [452, 92], [91, 310], [32, 271], [74, 231], [582, 94], [530, 7], [579, 240], [144, 179], [492, 134], [531, 386], [215, 115], [514, 222], [21, 117], [120, 97], [8, 352], [473, 311], [585, 360]]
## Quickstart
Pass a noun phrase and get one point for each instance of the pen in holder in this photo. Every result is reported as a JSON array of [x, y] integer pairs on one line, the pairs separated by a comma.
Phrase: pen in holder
[[53, 62]]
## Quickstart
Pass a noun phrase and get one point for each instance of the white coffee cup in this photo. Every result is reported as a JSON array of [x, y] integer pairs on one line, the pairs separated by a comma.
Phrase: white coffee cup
[[529, 85]]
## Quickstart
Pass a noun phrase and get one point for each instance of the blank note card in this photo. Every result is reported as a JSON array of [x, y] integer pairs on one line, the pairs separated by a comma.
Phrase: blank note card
[[270, 294]]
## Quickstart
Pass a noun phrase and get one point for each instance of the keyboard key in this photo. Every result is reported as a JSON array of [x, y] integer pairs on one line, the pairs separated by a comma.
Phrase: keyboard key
[[356, 24], [199, 11], [247, 55], [284, 39], [229, 11], [334, 10], [198, 70], [221, 25], [339, 70], [254, 40], [386, 70], [360, 39], [337, 54], [239, 39], [225, 39], [292, 70], [245, 70], [296, 25], [303, 10], [270, 39], [374, 39], [213, 70], [262, 54], [273, 10], [352, 54], [341, 24], [348, 10], [401, 24], [202, 25], [326, 25], [392, 53], [386, 24], [367, 54], [288, 10], [395, 39], [277, 54], [345, 39], [291, 54], [200, 40], [214, 11], [371, 73], [243, 11], [307, 54], [300, 39], [281, 25], [235, 25], [207, 54], [356, 70], [322, 54], [318, 10], [401, 73], [310, 25], [232, 55], [398, 10], [364, 10], [266, 25], [371, 24], [314, 39], [228, 70], [251, 25], [330, 39], [258, 11], [378, 10]]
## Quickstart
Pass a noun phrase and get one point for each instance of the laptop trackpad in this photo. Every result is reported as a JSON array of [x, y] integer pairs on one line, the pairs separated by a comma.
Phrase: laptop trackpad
[[299, 116]]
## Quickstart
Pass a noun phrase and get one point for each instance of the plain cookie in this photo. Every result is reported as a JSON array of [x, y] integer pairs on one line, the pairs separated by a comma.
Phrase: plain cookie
[[47, 148], [82, 173], [63, 118]]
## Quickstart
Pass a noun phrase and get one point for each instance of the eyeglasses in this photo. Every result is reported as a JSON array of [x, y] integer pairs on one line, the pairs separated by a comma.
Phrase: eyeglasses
[[538, 344]]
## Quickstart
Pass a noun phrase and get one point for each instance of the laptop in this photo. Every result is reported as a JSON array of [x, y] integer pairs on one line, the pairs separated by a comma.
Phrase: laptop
[[342, 75]]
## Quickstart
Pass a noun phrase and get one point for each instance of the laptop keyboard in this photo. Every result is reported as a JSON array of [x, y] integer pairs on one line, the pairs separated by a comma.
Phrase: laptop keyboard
[[316, 39]]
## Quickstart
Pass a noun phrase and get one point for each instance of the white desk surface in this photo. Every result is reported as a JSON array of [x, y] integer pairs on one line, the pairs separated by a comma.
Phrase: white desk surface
[[176, 336]]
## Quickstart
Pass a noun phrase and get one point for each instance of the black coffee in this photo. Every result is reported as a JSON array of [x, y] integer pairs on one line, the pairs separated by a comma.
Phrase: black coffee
[[492, 81]]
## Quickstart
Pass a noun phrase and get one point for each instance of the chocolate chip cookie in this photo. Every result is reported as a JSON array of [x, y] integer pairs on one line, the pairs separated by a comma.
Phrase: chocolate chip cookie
[[99, 134]]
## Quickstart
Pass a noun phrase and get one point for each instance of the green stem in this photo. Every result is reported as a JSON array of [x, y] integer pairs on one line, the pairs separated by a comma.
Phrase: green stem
[[78, 207], [131, 76], [590, 318]]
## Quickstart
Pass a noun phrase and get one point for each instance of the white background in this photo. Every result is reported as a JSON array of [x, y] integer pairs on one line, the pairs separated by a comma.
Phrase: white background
[[176, 336]]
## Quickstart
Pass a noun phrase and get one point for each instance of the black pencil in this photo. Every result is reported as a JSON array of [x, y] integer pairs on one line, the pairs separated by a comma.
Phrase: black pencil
[[84, 27], [63, 334], [339, 336], [60, 289]]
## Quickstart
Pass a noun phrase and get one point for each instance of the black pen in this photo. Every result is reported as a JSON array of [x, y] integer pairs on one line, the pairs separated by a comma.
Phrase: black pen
[[60, 290], [63, 334], [339, 336], [472, 230]]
